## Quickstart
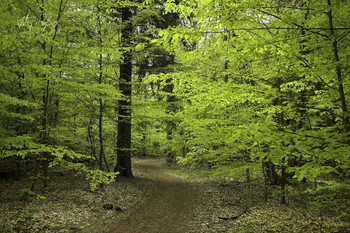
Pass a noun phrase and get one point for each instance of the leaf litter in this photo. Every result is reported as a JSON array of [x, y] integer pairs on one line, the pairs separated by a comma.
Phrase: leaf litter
[[69, 206]]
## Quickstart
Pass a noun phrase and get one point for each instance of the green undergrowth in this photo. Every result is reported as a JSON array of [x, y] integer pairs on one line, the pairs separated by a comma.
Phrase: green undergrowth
[[322, 209], [223, 175], [189, 173]]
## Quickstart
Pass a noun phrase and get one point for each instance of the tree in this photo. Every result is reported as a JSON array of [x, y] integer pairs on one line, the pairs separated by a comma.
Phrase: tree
[[124, 106], [254, 87], [54, 54]]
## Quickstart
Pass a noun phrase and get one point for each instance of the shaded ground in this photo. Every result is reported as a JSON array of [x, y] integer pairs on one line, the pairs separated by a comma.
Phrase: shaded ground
[[169, 208], [178, 205], [155, 201]]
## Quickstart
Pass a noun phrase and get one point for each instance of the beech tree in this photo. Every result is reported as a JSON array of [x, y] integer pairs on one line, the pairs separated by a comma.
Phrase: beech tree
[[262, 86], [54, 50], [124, 106]]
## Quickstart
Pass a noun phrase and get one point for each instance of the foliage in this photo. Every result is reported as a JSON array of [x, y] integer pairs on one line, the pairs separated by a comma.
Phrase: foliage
[[234, 86], [325, 198], [24, 217], [58, 82], [98, 177], [260, 83], [27, 194]]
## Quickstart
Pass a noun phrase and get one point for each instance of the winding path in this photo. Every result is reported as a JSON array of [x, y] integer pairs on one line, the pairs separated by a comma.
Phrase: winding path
[[169, 209]]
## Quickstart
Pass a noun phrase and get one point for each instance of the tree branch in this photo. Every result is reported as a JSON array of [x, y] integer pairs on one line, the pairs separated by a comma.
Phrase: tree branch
[[298, 25]]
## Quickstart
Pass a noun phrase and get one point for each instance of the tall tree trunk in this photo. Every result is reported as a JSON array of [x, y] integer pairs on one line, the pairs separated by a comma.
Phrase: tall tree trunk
[[336, 58], [283, 184], [124, 106], [47, 120], [44, 138], [101, 104], [100, 135], [170, 124], [91, 139]]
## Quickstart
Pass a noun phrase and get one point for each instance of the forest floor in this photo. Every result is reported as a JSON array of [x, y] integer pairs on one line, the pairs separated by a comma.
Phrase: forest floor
[[155, 201]]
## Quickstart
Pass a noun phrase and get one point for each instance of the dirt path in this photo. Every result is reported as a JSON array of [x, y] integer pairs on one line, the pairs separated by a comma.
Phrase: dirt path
[[157, 202], [169, 208]]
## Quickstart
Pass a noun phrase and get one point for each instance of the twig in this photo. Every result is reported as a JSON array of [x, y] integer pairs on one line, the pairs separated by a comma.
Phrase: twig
[[236, 216]]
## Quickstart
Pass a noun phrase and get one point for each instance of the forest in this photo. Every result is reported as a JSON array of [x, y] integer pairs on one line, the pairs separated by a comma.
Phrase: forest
[[248, 92]]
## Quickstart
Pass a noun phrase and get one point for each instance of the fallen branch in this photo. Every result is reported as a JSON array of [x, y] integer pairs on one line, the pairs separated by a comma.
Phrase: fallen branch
[[236, 216]]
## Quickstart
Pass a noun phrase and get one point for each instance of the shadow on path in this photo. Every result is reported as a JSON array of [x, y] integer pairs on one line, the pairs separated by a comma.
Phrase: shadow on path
[[168, 209]]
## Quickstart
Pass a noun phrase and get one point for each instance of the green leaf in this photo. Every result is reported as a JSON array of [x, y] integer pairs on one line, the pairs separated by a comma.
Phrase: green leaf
[[140, 47]]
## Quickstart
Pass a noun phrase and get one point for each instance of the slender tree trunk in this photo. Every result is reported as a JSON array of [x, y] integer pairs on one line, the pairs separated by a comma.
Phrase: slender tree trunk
[[265, 181], [124, 106], [101, 80], [170, 109], [271, 174], [336, 58], [170, 124], [283, 184], [45, 128], [100, 135], [91, 139], [101, 107], [45, 115], [47, 120]]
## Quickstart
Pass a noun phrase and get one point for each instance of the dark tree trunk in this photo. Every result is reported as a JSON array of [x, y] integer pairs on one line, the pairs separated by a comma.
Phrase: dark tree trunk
[[338, 70], [101, 105], [124, 106], [272, 177], [170, 123], [91, 139], [44, 138], [283, 185]]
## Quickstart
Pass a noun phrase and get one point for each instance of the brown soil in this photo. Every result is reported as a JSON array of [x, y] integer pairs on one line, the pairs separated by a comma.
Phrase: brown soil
[[155, 201], [176, 205], [170, 207]]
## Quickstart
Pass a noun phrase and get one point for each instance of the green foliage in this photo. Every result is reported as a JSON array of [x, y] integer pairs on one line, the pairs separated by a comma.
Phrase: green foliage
[[258, 83], [98, 177], [327, 197], [58, 82], [27, 194], [229, 85], [24, 217]]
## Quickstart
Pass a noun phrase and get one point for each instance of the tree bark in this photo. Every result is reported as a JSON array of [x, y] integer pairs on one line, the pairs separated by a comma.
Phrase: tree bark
[[124, 106], [101, 103], [336, 58]]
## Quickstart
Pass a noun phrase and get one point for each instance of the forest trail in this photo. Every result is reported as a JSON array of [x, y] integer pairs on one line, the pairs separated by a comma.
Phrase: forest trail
[[168, 209]]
